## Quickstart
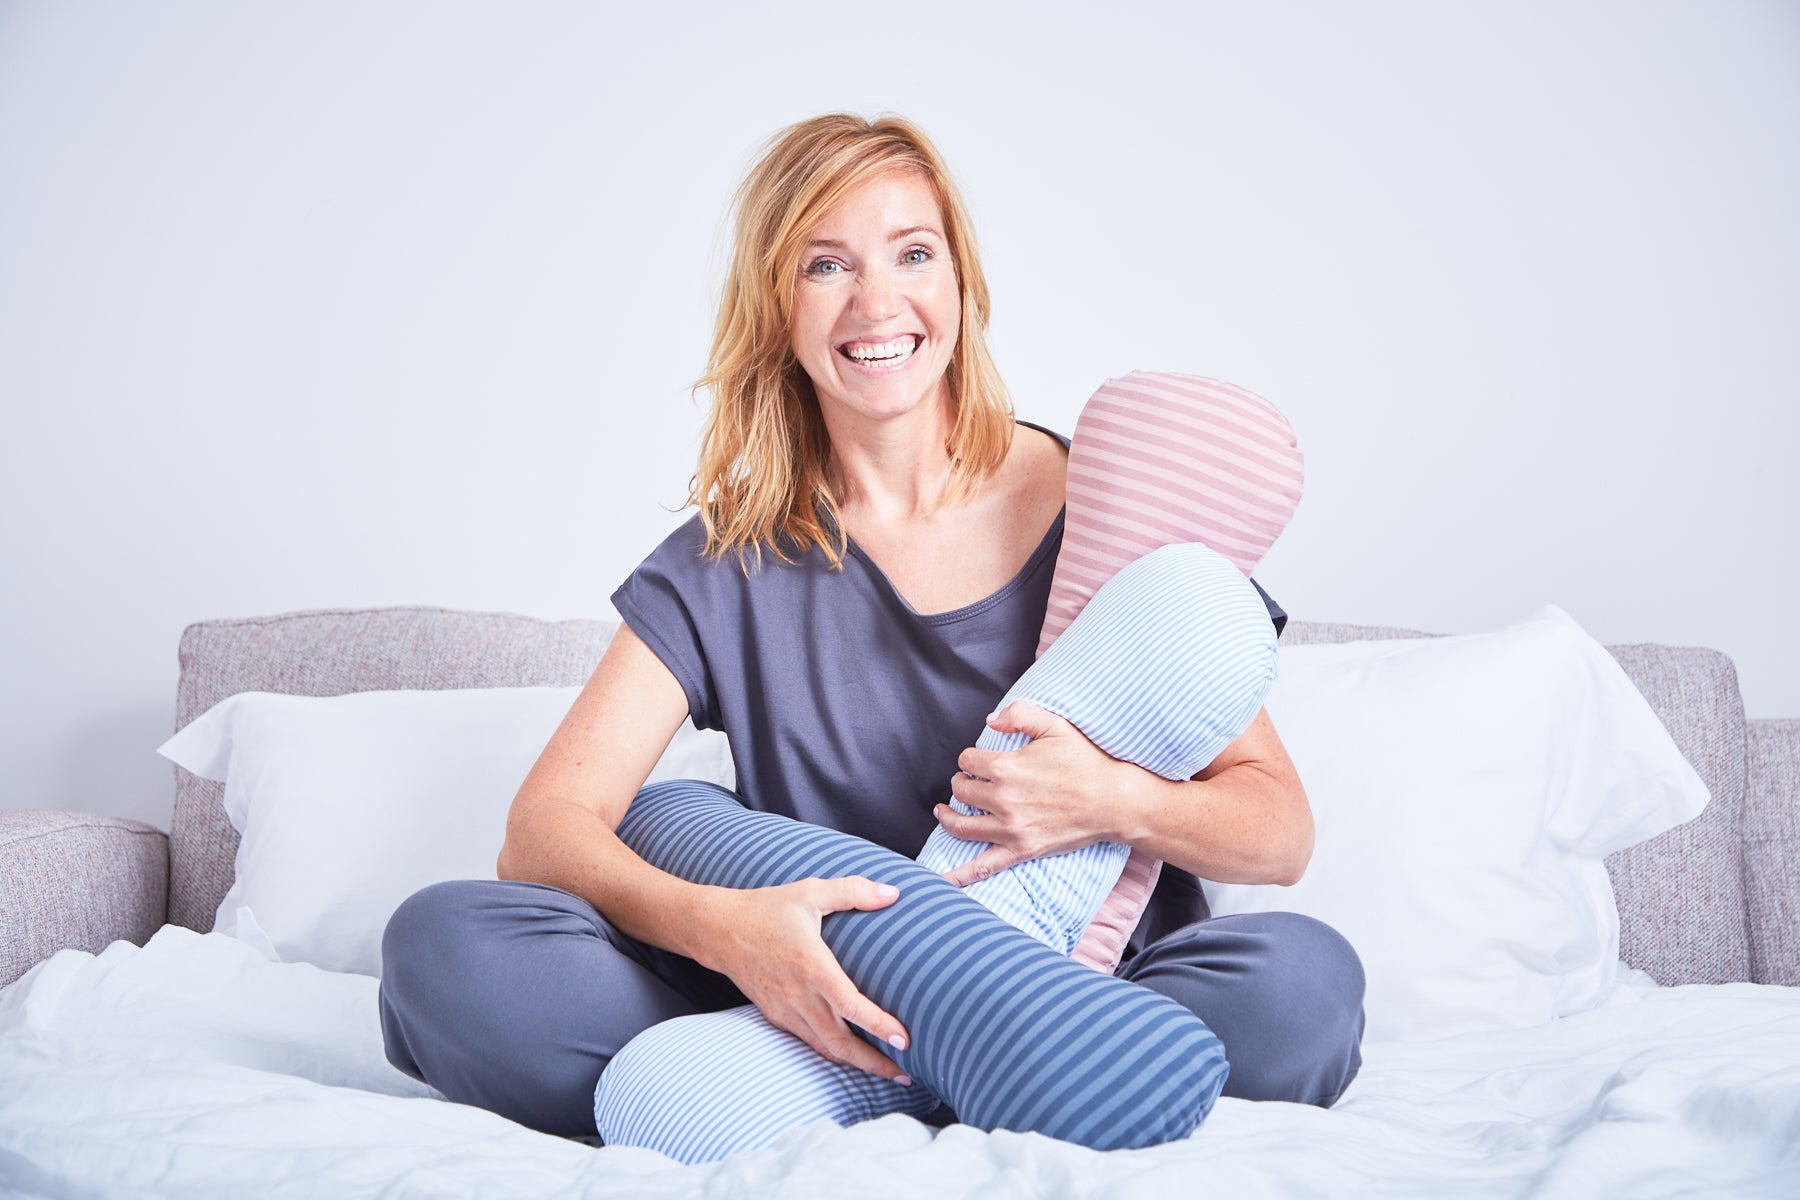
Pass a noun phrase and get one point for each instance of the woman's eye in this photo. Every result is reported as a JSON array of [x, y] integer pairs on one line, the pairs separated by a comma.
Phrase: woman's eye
[[915, 256], [824, 266]]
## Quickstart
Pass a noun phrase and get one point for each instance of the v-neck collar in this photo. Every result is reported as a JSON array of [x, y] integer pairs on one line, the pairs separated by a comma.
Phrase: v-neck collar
[[980, 606]]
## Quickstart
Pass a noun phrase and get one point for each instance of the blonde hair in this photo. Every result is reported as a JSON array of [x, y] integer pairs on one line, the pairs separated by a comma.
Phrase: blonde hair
[[762, 479]]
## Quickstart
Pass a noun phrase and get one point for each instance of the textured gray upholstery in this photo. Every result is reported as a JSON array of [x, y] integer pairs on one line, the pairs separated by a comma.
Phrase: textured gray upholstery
[[1772, 851], [1681, 894], [76, 880]]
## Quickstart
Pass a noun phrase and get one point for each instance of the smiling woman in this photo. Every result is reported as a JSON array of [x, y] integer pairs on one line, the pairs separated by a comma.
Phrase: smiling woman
[[850, 238], [877, 311], [861, 436]]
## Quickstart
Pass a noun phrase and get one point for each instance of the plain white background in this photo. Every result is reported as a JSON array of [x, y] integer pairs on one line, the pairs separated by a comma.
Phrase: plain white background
[[354, 304]]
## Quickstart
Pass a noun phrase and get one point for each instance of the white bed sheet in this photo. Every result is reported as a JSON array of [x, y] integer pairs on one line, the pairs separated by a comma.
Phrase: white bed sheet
[[195, 1067]]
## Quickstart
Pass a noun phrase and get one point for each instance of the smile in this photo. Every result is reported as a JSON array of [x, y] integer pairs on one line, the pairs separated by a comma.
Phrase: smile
[[884, 354]]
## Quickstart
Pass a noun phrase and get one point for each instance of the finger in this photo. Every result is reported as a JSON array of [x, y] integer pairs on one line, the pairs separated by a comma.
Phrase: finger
[[976, 793], [1021, 716], [834, 1039], [854, 891], [863, 1012], [988, 863], [980, 763], [969, 829], [855, 1052]]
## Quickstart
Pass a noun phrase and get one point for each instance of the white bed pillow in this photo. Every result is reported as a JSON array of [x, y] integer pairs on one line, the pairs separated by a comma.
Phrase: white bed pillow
[[1465, 792], [346, 805]]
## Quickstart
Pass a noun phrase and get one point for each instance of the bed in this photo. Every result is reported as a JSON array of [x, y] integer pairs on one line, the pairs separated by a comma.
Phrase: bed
[[145, 1052]]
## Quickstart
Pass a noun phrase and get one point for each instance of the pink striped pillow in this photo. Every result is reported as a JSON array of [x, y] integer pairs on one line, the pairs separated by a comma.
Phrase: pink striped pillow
[[1159, 458]]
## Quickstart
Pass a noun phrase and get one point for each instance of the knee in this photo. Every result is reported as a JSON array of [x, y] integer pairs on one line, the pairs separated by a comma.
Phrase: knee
[[1311, 959], [448, 945], [420, 939], [429, 927], [1313, 982], [1283, 991], [1275, 953]]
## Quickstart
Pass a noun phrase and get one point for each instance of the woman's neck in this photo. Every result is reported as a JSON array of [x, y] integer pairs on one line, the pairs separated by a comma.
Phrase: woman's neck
[[894, 471]]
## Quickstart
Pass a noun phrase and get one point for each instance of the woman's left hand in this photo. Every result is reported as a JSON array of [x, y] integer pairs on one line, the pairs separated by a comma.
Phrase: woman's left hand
[[1056, 793]]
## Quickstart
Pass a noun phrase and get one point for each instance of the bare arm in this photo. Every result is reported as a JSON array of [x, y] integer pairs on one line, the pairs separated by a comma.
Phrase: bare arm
[[1244, 819], [560, 831]]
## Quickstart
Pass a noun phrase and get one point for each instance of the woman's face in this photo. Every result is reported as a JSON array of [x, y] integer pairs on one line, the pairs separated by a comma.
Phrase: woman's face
[[876, 310]]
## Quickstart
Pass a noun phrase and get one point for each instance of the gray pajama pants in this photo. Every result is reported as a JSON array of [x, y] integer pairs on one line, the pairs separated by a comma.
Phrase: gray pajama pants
[[514, 996]]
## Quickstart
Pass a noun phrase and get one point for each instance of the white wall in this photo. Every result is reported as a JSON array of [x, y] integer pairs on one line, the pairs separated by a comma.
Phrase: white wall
[[352, 304]]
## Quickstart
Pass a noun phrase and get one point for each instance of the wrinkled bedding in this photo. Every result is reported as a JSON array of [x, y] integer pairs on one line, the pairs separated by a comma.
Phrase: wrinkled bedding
[[196, 1067]]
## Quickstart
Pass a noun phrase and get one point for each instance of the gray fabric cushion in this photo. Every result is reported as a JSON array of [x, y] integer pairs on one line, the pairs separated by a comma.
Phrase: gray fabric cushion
[[1304, 633], [1772, 850], [71, 880], [331, 652], [1680, 894]]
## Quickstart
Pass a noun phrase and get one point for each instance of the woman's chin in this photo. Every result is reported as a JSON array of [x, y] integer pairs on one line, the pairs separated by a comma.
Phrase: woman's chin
[[885, 399]]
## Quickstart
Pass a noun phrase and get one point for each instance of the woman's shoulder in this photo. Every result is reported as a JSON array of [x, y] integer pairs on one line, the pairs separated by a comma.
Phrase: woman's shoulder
[[681, 560], [1061, 439], [680, 563], [684, 545], [1038, 467]]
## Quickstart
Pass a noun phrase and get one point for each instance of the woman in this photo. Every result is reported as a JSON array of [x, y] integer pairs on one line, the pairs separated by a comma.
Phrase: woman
[[867, 573]]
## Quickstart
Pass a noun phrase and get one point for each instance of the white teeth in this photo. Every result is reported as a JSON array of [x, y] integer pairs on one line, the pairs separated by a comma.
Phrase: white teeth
[[898, 348]]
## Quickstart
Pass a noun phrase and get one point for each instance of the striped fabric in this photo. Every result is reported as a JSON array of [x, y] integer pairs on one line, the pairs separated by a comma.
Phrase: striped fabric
[[1160, 458], [1157, 458], [1103, 943], [1167, 664], [668, 1090], [1010, 1033]]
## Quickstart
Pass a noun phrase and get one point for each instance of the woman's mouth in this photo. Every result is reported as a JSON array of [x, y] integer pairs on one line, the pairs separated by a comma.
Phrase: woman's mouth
[[881, 356]]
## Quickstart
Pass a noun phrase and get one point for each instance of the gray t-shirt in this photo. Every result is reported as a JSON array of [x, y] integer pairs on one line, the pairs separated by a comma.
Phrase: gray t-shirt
[[845, 707]]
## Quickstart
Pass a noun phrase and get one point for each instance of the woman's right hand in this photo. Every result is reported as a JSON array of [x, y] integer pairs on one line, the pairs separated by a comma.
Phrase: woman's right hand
[[560, 832], [767, 941]]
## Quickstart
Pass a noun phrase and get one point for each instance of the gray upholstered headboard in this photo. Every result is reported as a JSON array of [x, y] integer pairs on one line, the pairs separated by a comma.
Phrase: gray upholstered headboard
[[1681, 895]]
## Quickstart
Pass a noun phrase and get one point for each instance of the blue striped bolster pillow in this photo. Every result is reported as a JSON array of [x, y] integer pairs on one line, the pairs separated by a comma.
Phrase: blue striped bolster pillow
[[1007, 1031]]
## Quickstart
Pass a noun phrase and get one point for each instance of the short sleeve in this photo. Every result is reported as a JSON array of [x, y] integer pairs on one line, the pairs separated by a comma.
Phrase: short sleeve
[[654, 602], [1277, 613]]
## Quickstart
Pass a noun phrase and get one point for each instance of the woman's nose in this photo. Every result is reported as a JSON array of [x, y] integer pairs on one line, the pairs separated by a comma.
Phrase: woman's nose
[[877, 295]]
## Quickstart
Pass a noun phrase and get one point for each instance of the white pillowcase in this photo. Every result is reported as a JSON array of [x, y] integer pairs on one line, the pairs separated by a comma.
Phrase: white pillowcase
[[346, 805], [1465, 792]]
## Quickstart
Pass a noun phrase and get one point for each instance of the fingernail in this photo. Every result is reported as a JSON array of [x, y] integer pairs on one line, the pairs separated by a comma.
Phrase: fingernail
[[993, 714], [886, 891], [903, 1080], [897, 1042]]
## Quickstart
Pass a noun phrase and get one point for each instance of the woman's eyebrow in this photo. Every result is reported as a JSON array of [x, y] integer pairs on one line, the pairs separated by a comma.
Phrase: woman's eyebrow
[[834, 244]]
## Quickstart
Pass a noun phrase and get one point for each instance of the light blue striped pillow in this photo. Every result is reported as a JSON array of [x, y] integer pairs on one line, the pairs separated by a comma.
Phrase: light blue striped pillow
[[1165, 666]]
